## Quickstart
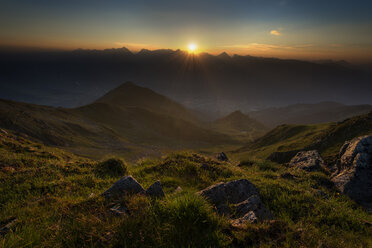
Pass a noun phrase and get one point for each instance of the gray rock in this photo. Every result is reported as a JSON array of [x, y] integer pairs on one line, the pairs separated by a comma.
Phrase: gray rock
[[178, 189], [241, 195], [125, 186], [249, 217], [155, 190], [308, 161], [354, 170], [222, 157], [232, 192], [254, 204]]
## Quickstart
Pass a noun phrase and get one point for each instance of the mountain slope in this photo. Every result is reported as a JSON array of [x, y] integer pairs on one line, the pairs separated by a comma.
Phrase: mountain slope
[[131, 95], [132, 126], [239, 124], [309, 113], [327, 137]]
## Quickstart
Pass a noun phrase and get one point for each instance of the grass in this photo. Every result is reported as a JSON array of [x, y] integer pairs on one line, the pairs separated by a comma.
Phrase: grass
[[55, 197]]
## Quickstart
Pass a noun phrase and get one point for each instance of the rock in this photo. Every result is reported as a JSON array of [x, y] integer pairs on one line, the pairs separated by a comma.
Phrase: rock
[[7, 225], [239, 197], [222, 157], [308, 161], [249, 217], [178, 189], [155, 190], [125, 186], [282, 157], [354, 170], [254, 204]]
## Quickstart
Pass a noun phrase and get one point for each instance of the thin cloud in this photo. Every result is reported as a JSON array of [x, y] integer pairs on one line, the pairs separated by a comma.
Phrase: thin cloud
[[268, 47], [275, 32]]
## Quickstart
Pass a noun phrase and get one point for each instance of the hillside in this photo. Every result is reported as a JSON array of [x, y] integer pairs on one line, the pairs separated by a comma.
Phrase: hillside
[[240, 125], [327, 138], [309, 113], [131, 95], [129, 120], [52, 198]]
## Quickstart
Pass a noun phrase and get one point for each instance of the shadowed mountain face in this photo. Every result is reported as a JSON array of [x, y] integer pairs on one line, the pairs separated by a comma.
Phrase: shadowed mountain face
[[129, 119], [308, 113], [219, 84]]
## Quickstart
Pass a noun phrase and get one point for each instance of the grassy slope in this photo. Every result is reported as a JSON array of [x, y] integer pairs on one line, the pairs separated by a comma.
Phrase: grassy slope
[[48, 190], [327, 138]]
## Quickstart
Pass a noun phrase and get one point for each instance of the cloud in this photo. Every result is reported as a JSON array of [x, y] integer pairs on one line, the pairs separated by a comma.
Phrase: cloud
[[275, 32], [268, 47]]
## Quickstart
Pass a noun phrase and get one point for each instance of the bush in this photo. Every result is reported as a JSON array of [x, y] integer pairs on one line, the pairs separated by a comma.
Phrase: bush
[[111, 168]]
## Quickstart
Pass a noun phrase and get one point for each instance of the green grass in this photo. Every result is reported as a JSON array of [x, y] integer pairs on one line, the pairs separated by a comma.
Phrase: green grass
[[55, 197]]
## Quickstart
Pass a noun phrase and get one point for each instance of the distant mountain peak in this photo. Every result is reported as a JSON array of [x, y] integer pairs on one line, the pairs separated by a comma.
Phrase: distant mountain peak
[[129, 94], [224, 55]]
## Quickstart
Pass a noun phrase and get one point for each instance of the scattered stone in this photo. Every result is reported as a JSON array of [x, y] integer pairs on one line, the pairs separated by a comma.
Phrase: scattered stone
[[249, 217], [308, 161], [6, 225], [119, 210], [254, 204], [237, 198], [222, 157], [354, 170], [282, 157], [287, 175], [178, 189], [125, 186], [155, 190]]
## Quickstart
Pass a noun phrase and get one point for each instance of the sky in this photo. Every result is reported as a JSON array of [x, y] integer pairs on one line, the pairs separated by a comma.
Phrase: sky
[[316, 29]]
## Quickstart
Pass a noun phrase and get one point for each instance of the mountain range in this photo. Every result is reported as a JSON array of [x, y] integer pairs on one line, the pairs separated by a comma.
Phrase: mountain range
[[210, 83]]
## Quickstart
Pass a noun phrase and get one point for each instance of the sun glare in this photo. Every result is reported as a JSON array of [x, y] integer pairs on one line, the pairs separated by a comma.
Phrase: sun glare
[[192, 47]]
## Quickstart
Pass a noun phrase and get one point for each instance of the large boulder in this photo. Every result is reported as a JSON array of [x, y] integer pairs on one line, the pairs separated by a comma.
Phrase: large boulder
[[237, 199], [354, 170], [125, 186], [155, 190], [308, 161]]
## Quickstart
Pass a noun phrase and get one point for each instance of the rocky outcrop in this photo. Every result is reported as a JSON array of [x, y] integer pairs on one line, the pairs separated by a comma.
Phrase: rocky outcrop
[[129, 186], [308, 161], [354, 170], [125, 186], [238, 199], [155, 190]]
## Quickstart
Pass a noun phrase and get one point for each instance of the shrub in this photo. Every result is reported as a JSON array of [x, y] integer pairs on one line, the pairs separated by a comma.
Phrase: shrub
[[182, 222], [111, 168]]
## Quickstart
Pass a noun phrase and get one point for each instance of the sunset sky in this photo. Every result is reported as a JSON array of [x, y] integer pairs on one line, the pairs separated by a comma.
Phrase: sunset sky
[[316, 29]]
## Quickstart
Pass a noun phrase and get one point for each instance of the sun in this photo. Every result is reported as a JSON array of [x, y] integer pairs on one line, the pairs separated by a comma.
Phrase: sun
[[192, 47]]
